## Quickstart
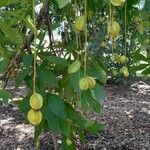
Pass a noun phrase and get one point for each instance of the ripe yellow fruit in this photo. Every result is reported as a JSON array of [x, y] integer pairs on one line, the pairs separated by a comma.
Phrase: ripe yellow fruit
[[91, 82], [34, 117], [74, 67], [123, 59], [83, 83], [117, 2], [80, 23], [113, 29], [36, 101], [126, 72]]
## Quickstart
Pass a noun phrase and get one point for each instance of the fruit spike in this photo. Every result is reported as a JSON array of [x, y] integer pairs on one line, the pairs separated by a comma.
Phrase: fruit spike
[[36, 101]]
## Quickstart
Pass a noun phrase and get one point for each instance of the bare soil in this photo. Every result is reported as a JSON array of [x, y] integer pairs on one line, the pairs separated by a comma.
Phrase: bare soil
[[126, 116]]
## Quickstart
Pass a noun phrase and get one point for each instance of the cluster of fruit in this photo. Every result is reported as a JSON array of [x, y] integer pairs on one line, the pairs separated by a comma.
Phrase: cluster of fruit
[[80, 23], [124, 70], [87, 82], [34, 115], [120, 59]]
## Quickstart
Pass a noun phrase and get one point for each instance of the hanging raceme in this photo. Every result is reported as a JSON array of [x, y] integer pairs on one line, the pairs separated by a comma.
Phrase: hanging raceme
[[36, 100]]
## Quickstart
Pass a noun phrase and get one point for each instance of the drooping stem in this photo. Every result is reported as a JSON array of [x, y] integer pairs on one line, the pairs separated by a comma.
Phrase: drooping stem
[[125, 28], [86, 35], [111, 20], [35, 55]]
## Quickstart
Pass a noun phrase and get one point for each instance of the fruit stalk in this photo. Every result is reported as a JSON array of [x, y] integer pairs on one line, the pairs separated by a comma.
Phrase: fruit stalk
[[34, 66], [85, 56]]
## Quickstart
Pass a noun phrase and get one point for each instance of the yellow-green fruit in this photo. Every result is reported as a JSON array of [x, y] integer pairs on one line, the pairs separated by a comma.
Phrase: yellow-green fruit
[[83, 83], [114, 29], [74, 67], [121, 71], [80, 23], [117, 2], [114, 72], [34, 117], [126, 72], [103, 44], [116, 57], [123, 59], [36, 101], [91, 82], [68, 142]]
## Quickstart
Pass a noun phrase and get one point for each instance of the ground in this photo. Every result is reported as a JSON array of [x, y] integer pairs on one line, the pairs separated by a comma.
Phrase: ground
[[126, 116]]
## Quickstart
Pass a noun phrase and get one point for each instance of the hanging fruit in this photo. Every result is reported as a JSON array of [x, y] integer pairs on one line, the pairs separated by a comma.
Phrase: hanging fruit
[[116, 57], [36, 101], [80, 23], [114, 29], [74, 67], [123, 59], [124, 70], [114, 72], [83, 83], [91, 82], [34, 117], [117, 2]]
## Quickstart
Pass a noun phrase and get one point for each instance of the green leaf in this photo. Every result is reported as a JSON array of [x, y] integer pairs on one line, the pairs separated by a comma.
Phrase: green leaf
[[81, 135], [137, 56], [4, 96], [88, 102], [57, 106], [56, 124], [7, 2], [62, 3], [97, 71], [47, 76], [99, 93], [74, 80], [95, 128], [58, 60], [146, 71], [22, 75], [3, 65], [24, 105], [10, 32], [138, 67], [27, 60]]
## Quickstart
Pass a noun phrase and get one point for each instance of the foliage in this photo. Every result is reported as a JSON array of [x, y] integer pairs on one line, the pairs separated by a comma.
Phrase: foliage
[[60, 47]]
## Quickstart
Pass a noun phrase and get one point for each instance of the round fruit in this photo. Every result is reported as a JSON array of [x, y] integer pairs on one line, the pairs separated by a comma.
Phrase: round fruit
[[121, 71], [114, 72], [83, 83], [36, 101], [117, 2], [34, 117], [68, 142], [126, 72], [114, 29], [123, 59], [74, 67], [91, 82], [80, 23], [116, 57]]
